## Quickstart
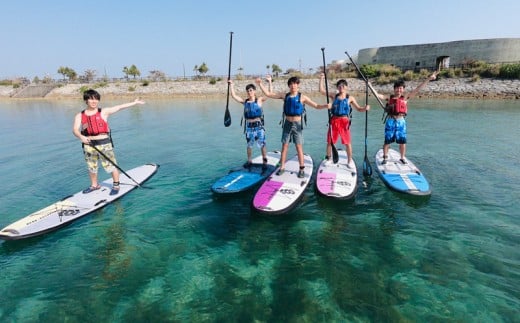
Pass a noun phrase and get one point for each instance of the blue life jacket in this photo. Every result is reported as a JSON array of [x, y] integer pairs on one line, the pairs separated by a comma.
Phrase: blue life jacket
[[292, 106], [252, 110], [341, 107]]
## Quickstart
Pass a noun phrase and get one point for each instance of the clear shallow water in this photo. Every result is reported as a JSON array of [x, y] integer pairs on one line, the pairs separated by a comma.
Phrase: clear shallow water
[[175, 252]]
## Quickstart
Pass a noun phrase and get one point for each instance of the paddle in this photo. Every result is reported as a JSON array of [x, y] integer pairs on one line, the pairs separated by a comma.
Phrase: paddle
[[116, 166], [335, 157], [366, 80], [227, 115], [367, 169]]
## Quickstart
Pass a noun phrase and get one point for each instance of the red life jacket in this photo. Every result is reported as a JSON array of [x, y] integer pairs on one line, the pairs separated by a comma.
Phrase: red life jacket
[[93, 125], [396, 106]]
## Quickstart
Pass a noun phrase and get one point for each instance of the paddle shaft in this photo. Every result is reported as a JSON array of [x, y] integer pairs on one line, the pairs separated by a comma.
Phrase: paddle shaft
[[115, 165], [367, 169], [227, 115], [366, 80], [335, 156]]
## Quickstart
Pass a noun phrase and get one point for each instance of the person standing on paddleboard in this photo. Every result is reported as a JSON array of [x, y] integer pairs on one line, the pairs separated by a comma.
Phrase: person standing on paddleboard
[[396, 109], [91, 127], [341, 111], [293, 110], [253, 122]]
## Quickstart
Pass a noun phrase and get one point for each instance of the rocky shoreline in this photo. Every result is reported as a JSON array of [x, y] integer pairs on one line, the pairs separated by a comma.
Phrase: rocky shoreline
[[443, 88]]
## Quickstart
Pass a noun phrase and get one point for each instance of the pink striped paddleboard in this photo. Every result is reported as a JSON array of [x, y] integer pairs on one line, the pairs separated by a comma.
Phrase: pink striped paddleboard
[[279, 194], [337, 180]]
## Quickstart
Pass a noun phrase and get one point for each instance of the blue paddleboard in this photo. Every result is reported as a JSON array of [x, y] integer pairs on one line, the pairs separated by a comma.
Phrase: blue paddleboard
[[399, 176], [243, 178]]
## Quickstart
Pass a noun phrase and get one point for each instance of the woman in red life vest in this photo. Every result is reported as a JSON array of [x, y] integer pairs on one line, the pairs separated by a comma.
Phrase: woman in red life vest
[[397, 108], [91, 127], [341, 111]]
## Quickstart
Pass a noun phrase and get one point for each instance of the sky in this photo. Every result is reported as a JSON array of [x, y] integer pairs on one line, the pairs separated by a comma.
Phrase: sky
[[173, 36]]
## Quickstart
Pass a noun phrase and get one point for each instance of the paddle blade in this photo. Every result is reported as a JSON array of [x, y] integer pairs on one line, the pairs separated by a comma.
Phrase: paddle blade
[[335, 156], [227, 118], [367, 169]]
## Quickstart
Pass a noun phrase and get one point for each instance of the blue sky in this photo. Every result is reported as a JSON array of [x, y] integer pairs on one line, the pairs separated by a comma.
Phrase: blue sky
[[173, 36]]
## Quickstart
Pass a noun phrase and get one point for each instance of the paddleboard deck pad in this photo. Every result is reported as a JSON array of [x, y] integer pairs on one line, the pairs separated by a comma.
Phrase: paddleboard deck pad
[[243, 178], [279, 194], [75, 206], [404, 178], [337, 180]]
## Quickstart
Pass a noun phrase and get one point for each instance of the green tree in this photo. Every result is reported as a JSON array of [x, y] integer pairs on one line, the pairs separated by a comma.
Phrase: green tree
[[276, 69], [203, 69], [132, 70], [68, 73], [126, 70]]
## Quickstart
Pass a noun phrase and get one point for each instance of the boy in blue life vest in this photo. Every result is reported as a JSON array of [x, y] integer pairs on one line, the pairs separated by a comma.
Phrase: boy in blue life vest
[[91, 127], [254, 122], [397, 108], [293, 109], [340, 112]]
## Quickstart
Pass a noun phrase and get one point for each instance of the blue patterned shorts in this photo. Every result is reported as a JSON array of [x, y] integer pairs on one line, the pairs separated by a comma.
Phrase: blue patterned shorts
[[395, 130], [255, 134]]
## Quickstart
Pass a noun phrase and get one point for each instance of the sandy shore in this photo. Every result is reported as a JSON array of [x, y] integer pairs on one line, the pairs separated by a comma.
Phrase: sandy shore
[[443, 88]]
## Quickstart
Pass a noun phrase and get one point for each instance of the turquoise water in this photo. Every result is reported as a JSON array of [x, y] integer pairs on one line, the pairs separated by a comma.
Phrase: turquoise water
[[175, 252]]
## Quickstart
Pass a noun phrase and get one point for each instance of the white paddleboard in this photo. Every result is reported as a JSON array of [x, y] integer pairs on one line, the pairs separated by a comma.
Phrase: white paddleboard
[[75, 206], [404, 178], [281, 193], [337, 180], [244, 178]]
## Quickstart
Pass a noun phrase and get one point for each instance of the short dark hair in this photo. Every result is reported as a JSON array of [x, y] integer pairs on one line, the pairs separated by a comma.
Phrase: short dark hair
[[340, 82], [293, 79], [250, 86], [399, 83], [91, 94]]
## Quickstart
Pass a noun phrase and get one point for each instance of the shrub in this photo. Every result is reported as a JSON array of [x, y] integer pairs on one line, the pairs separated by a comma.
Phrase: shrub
[[408, 75], [83, 89], [510, 71], [369, 70]]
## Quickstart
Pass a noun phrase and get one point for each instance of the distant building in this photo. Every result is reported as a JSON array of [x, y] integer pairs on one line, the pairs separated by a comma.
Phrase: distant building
[[443, 55]]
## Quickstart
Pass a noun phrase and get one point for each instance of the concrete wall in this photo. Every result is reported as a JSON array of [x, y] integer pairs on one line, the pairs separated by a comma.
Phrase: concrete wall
[[34, 91], [497, 50]]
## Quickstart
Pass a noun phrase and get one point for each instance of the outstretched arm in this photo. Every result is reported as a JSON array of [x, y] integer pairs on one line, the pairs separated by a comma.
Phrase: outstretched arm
[[430, 78], [306, 100], [268, 92], [114, 109], [233, 94]]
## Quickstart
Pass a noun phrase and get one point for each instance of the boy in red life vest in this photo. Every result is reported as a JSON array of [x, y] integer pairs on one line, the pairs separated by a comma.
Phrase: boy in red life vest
[[91, 127], [341, 111], [293, 109], [397, 108]]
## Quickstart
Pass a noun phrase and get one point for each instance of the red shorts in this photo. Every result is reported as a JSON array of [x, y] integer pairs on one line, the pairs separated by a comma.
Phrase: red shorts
[[340, 128]]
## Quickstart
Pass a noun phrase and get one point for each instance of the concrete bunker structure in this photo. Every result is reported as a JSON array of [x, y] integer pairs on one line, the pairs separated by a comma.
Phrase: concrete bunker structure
[[443, 55]]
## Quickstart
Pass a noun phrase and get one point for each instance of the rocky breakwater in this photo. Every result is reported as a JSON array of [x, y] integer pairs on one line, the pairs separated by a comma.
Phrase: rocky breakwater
[[442, 88]]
